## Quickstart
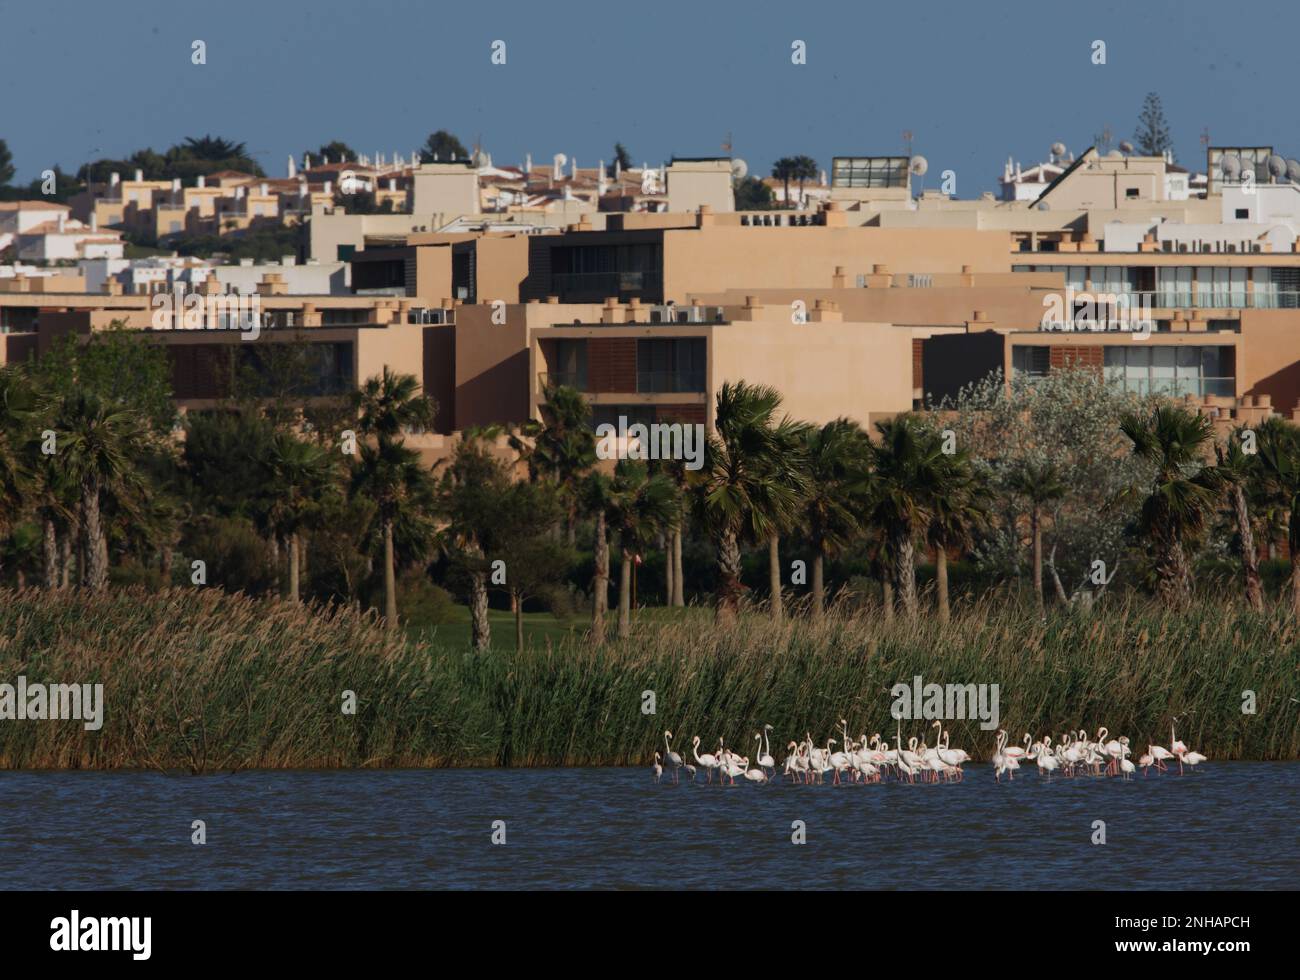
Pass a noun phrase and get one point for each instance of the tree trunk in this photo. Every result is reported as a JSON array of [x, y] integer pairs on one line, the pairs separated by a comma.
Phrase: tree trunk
[[480, 628], [50, 555], [941, 581], [1036, 531], [774, 575], [519, 622], [600, 583], [904, 569], [887, 598], [1173, 576], [729, 586], [1249, 560], [65, 559], [818, 585], [668, 572], [165, 562], [95, 572], [679, 586], [625, 597], [293, 571], [1294, 547], [390, 577]]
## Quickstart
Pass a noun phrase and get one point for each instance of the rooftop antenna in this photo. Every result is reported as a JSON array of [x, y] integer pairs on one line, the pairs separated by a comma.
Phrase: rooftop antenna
[[907, 143], [1205, 136], [726, 144]]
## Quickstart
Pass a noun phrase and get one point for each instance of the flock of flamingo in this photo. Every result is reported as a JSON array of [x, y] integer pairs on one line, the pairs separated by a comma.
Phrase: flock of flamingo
[[870, 760]]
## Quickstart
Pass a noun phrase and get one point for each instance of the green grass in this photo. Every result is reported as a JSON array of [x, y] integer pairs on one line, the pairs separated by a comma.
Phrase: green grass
[[200, 680]]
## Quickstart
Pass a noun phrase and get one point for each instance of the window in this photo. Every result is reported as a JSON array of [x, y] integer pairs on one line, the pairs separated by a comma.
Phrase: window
[[569, 366], [1171, 370], [1130, 192], [869, 171], [675, 364], [1243, 214], [1033, 362]]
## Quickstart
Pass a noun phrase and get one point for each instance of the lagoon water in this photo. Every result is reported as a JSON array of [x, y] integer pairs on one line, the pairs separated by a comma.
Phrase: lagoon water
[[1229, 825]]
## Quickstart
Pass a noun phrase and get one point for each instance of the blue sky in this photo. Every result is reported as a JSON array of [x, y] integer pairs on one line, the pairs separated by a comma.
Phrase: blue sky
[[973, 81]]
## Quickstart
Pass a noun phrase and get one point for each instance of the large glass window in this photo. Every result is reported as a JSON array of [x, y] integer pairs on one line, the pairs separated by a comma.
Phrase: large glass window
[[675, 364], [1170, 370], [1031, 362]]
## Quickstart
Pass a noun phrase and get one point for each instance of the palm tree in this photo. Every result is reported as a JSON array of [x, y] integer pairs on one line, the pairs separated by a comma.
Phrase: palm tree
[[1183, 490], [390, 404], [468, 494], [805, 168], [597, 495], [837, 463], [1240, 470], [640, 505], [17, 405], [748, 484], [97, 446], [298, 476], [1040, 483], [788, 439], [563, 447], [906, 465], [402, 489], [957, 508], [785, 171], [1279, 451], [212, 148]]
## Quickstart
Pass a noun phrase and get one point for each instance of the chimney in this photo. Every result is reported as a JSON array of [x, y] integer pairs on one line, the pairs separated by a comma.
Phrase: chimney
[[139, 175], [705, 216], [968, 276], [611, 312], [880, 278], [202, 181], [825, 311], [62, 222], [979, 322], [636, 313], [837, 278], [261, 189], [753, 309], [114, 179], [94, 220], [528, 164], [112, 287], [272, 284]]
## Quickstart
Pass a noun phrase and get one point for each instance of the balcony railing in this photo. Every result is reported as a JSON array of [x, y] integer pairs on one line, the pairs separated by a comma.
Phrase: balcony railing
[[1178, 387], [669, 381], [606, 283], [569, 379], [1214, 298]]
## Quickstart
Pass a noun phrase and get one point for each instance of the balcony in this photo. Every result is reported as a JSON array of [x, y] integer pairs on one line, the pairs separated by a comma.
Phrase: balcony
[[602, 284], [1178, 387], [554, 379], [650, 382]]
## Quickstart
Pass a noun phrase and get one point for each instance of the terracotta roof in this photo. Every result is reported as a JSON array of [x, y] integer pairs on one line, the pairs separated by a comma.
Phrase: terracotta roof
[[32, 206]]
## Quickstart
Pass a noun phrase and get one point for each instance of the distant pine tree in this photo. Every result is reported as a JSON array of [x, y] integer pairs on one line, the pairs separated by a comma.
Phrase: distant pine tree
[[1152, 136]]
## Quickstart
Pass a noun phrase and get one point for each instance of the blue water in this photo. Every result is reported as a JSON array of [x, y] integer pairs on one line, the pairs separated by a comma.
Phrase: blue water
[[1229, 825]]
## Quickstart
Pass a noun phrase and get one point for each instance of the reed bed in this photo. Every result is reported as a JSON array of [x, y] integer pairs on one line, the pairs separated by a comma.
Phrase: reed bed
[[205, 681]]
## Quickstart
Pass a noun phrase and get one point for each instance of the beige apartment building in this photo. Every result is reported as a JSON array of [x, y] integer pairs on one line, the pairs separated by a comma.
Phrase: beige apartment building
[[872, 304]]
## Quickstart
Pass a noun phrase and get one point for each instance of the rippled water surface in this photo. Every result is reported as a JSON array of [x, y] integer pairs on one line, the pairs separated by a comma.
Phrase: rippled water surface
[[1230, 825]]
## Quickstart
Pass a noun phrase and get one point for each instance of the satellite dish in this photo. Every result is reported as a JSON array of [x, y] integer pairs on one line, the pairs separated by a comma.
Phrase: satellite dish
[[560, 160], [1058, 149], [1230, 164], [920, 165], [1114, 155], [1276, 165], [1044, 206], [739, 169], [1293, 171], [1125, 146]]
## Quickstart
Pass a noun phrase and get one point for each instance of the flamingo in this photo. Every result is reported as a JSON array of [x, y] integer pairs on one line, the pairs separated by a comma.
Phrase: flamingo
[[658, 770], [1175, 746], [765, 760], [708, 761], [671, 757]]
